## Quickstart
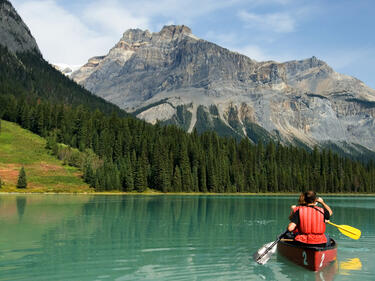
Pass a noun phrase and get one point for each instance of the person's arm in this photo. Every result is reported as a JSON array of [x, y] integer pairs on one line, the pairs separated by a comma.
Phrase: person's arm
[[325, 206], [292, 211], [291, 226], [294, 221]]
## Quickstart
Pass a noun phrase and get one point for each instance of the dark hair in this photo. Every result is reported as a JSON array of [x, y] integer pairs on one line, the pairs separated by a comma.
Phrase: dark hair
[[310, 196], [301, 199]]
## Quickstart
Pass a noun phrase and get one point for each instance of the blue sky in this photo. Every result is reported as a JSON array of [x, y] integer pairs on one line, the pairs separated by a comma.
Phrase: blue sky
[[340, 32]]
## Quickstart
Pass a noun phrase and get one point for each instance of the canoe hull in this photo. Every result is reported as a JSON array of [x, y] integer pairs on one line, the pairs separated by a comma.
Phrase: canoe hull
[[311, 258]]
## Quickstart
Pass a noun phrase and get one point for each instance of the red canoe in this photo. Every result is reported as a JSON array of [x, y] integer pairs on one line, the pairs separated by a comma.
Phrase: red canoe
[[310, 257]]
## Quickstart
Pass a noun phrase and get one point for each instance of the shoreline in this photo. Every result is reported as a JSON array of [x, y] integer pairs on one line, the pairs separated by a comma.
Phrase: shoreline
[[155, 193]]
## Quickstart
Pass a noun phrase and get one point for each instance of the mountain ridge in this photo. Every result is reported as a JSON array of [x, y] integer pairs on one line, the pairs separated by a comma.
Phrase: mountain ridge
[[296, 101], [14, 34]]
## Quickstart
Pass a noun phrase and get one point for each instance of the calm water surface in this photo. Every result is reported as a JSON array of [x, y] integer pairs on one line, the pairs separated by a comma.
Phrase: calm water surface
[[67, 237]]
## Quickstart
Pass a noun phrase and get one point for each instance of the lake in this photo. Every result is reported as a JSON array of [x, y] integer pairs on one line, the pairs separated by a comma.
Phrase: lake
[[167, 237]]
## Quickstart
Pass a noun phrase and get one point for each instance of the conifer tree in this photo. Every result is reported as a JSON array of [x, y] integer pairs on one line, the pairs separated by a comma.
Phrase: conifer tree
[[202, 177], [22, 181], [140, 177], [89, 175], [176, 183]]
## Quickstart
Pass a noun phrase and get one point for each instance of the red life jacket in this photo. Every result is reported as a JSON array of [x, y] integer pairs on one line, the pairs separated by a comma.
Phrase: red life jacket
[[295, 231], [311, 226]]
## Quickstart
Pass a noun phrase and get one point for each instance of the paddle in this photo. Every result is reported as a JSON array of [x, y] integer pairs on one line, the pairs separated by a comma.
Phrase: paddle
[[266, 251], [347, 230]]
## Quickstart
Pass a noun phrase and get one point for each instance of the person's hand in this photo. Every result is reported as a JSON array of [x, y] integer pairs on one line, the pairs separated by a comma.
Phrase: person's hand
[[293, 206], [320, 200]]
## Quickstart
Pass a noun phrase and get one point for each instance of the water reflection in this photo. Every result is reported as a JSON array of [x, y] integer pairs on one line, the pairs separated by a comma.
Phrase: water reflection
[[350, 265], [297, 273], [21, 205], [161, 238]]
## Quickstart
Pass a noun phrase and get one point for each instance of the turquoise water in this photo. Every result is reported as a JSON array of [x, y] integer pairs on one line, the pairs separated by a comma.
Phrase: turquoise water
[[82, 237]]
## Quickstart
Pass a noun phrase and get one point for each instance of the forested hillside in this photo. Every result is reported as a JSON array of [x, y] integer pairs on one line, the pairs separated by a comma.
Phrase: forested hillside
[[28, 74], [136, 155]]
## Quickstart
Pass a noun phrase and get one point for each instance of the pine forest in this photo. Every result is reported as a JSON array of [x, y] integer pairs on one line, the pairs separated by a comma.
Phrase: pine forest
[[126, 154]]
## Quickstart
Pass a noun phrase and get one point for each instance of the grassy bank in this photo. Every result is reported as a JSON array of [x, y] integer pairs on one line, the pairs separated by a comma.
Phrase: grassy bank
[[44, 172]]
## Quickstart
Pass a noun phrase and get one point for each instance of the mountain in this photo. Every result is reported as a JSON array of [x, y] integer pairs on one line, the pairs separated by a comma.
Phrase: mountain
[[13, 32], [24, 73], [174, 77]]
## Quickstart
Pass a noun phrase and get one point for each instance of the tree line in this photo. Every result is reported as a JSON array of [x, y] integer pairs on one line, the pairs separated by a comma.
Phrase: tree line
[[133, 155]]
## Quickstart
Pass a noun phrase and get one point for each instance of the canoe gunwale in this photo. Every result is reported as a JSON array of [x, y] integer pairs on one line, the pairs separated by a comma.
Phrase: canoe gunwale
[[310, 247]]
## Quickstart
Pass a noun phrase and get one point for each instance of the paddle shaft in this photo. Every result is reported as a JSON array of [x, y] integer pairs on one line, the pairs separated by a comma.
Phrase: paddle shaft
[[272, 245]]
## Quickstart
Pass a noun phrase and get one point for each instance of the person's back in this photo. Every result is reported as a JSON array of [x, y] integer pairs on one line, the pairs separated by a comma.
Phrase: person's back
[[309, 220], [311, 226]]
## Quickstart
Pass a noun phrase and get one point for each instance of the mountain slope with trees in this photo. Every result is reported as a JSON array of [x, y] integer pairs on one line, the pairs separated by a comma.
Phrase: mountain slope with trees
[[136, 155]]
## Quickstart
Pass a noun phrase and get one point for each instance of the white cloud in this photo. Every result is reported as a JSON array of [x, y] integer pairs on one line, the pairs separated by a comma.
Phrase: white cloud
[[71, 35], [113, 19], [64, 37], [276, 22]]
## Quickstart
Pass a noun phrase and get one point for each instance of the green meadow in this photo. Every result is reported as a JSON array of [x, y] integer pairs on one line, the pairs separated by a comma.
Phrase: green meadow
[[44, 172]]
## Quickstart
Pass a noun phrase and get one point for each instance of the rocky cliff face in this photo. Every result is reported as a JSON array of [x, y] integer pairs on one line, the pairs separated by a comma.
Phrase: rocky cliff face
[[175, 77], [14, 34]]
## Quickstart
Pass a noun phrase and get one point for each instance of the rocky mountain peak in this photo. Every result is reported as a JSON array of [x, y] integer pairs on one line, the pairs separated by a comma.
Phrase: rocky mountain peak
[[135, 35], [14, 34], [174, 77], [175, 31]]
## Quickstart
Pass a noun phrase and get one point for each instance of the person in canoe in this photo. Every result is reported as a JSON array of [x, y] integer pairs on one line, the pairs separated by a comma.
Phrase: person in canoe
[[301, 202], [308, 220]]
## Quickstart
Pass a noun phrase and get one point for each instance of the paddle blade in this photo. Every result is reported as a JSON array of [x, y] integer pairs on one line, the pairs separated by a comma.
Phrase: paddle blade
[[350, 231], [265, 252]]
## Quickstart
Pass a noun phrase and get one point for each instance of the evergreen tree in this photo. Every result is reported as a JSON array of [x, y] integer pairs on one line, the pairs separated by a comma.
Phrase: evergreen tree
[[22, 181], [202, 177], [140, 176], [177, 183], [89, 175]]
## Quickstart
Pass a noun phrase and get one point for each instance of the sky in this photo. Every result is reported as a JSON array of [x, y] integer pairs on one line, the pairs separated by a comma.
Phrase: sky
[[340, 32]]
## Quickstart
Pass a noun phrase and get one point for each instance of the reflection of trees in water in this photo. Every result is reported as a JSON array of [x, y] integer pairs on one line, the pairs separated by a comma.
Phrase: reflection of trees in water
[[139, 218], [21, 205], [112, 227], [126, 225]]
